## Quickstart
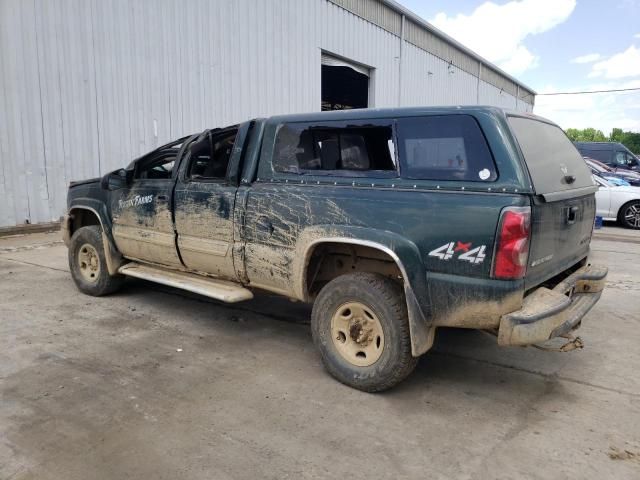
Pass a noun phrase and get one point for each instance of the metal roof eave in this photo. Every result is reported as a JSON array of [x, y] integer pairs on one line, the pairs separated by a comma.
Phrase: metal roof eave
[[423, 23]]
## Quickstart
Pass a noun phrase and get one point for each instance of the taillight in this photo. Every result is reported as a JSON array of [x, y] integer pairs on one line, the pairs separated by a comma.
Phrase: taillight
[[512, 243]]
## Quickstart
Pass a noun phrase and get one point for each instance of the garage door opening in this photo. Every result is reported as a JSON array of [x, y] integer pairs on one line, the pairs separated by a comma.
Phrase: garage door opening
[[344, 85]]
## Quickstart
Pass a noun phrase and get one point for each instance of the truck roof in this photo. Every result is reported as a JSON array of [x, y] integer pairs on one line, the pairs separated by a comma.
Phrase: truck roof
[[363, 113]]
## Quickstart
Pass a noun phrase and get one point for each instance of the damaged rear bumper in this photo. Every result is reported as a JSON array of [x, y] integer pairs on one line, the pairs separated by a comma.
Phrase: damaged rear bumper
[[546, 313]]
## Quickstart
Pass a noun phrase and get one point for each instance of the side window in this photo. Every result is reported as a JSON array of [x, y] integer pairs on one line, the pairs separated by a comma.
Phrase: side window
[[209, 156], [621, 158], [631, 160], [159, 166], [350, 150], [601, 155], [445, 147]]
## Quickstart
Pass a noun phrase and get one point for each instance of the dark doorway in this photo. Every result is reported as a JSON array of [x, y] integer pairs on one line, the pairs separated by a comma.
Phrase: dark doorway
[[343, 88]]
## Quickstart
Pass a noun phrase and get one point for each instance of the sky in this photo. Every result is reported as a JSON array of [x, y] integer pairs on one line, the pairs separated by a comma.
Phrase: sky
[[555, 46]]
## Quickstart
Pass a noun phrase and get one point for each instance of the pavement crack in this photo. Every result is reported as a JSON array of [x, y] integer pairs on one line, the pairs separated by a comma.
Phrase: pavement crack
[[613, 251], [34, 264], [525, 419], [547, 376], [23, 248]]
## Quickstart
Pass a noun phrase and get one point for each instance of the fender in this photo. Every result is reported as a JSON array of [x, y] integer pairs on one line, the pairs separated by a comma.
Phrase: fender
[[98, 208], [404, 252], [112, 256]]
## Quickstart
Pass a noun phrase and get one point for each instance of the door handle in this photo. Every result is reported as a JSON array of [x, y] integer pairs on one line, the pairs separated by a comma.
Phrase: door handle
[[162, 198], [263, 224], [572, 213]]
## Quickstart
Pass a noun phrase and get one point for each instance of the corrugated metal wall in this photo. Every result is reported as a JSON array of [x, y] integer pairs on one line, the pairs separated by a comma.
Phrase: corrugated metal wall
[[87, 85], [428, 80]]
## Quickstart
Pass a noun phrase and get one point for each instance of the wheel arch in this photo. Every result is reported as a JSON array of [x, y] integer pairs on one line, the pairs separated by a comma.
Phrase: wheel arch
[[314, 246], [82, 215], [404, 254]]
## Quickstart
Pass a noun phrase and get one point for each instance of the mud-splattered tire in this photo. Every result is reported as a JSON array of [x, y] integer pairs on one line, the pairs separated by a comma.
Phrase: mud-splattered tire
[[629, 215], [384, 358], [88, 265]]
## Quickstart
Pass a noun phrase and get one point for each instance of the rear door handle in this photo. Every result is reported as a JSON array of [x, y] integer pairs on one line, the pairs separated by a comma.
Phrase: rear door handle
[[162, 198]]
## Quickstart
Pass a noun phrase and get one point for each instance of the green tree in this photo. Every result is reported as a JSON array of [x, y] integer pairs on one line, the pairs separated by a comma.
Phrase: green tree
[[586, 135], [573, 134], [617, 135], [631, 140]]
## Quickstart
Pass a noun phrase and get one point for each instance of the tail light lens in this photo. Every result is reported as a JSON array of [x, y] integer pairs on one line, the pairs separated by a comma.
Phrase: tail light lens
[[512, 244]]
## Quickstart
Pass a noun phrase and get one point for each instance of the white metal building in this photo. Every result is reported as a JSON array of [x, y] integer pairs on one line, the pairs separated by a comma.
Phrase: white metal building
[[87, 85]]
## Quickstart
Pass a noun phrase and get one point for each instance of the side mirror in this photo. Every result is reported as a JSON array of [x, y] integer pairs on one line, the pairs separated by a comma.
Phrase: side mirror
[[115, 180]]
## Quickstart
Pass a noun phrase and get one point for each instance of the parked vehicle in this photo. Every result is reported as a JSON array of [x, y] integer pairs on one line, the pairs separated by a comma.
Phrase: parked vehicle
[[617, 180], [599, 168], [613, 154], [392, 222], [618, 203]]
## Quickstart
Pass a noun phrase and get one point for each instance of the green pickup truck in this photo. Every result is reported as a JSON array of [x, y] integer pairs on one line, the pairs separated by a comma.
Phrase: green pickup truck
[[393, 222]]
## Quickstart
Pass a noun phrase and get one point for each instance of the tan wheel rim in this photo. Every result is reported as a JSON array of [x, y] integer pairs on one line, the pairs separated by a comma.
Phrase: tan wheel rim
[[357, 334], [89, 263]]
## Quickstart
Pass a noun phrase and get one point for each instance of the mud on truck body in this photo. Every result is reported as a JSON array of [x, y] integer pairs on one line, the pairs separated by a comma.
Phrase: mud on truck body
[[392, 222]]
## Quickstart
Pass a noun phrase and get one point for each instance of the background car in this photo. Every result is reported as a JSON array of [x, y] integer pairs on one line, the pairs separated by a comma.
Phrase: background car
[[599, 168], [602, 171], [613, 154], [618, 203]]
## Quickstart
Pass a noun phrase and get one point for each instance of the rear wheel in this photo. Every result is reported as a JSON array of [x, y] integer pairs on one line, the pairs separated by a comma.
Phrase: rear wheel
[[359, 323], [88, 264], [629, 215]]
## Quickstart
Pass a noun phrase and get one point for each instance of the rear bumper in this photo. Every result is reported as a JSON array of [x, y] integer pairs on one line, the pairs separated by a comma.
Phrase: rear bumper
[[546, 313]]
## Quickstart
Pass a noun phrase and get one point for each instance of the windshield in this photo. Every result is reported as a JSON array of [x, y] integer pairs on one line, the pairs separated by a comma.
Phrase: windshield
[[553, 161], [626, 158]]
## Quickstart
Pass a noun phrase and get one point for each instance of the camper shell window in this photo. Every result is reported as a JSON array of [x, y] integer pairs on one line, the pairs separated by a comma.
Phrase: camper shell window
[[336, 149]]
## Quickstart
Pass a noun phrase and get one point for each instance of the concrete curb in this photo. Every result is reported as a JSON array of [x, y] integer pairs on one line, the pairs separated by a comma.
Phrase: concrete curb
[[611, 237], [29, 228]]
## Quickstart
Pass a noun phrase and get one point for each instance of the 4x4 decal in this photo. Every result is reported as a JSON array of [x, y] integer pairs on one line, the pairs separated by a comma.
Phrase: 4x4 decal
[[467, 254]]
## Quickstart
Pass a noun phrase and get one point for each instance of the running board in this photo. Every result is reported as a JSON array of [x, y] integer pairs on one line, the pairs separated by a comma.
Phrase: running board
[[209, 287]]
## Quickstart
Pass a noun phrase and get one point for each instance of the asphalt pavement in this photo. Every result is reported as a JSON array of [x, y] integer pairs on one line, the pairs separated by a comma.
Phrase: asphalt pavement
[[153, 383]]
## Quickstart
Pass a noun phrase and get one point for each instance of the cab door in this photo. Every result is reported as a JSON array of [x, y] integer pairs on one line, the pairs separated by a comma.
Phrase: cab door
[[142, 212], [204, 205]]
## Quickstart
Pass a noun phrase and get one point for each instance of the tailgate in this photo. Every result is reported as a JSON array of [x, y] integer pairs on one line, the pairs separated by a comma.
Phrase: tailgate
[[563, 208], [560, 236]]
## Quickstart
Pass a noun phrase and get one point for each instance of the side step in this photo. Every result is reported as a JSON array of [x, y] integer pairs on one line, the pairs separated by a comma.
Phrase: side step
[[209, 287]]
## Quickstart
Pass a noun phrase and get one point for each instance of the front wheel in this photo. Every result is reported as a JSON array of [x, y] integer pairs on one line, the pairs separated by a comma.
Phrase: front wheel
[[359, 323], [629, 215], [88, 265]]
